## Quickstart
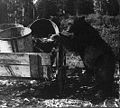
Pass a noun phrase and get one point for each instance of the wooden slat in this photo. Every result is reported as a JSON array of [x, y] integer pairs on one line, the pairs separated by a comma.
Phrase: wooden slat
[[12, 58], [15, 70], [23, 58], [34, 65], [24, 64], [45, 58]]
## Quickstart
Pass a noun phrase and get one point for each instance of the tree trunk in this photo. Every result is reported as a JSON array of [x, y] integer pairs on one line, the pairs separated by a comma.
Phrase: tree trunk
[[77, 8], [119, 6]]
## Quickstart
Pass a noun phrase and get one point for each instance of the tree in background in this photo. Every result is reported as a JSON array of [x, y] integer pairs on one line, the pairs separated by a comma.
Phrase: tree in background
[[3, 12], [86, 7], [113, 7], [46, 8], [103, 7], [17, 11], [106, 7], [69, 7], [79, 7], [51, 8], [119, 5]]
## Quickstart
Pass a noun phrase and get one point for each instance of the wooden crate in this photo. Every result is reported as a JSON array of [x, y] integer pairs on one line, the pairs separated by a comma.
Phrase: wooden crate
[[26, 65]]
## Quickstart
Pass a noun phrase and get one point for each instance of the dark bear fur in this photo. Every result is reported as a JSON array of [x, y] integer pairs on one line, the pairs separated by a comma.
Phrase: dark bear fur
[[96, 54]]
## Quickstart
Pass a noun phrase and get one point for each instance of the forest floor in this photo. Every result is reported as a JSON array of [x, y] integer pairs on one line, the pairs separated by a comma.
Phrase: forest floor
[[35, 94], [78, 92]]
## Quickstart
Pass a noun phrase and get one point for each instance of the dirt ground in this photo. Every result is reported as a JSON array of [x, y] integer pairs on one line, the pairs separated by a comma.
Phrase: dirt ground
[[17, 93]]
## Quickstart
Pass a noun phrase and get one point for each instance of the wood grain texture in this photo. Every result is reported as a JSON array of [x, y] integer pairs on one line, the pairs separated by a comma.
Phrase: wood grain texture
[[35, 65]]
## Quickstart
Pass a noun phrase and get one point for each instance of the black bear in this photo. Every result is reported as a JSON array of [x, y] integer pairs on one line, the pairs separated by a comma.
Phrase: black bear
[[96, 54]]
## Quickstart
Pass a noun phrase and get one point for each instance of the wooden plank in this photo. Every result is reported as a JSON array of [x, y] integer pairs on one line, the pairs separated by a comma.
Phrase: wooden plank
[[24, 64], [23, 58], [15, 70], [13, 58], [45, 58], [40, 65], [46, 72], [35, 63]]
